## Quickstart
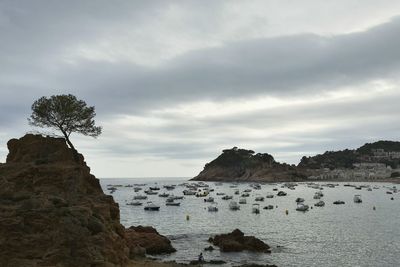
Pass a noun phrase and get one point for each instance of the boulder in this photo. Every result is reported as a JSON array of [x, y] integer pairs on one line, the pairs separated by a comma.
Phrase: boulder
[[237, 241], [149, 239]]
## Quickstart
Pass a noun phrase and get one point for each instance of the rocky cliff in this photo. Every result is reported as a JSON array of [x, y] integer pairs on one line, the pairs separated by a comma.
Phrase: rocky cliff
[[244, 165], [53, 212]]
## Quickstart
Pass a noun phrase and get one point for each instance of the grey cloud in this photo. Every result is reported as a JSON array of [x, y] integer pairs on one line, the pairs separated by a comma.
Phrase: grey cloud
[[350, 125], [284, 66]]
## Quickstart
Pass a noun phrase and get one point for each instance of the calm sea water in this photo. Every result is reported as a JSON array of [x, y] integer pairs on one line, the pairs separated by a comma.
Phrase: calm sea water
[[334, 235]]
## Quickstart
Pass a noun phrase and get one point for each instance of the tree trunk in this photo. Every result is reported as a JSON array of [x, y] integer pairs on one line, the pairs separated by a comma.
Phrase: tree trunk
[[74, 151]]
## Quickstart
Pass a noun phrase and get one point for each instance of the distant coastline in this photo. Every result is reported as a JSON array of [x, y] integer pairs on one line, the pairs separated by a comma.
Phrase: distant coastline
[[372, 162]]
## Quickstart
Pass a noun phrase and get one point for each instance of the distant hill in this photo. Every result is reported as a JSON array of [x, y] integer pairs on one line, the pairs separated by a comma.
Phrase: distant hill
[[244, 165], [387, 152]]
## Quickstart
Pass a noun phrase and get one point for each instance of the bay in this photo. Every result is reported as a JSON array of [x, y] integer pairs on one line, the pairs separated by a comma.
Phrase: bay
[[335, 235]]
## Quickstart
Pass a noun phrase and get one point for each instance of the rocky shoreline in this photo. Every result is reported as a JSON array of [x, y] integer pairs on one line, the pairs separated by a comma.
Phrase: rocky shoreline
[[53, 212]]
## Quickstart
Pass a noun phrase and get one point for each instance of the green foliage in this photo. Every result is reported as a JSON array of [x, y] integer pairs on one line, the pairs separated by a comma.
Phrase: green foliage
[[331, 160], [386, 145], [346, 158], [65, 113], [240, 158]]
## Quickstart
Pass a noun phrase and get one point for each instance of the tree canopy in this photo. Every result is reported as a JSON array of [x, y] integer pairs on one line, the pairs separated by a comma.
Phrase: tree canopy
[[65, 113]]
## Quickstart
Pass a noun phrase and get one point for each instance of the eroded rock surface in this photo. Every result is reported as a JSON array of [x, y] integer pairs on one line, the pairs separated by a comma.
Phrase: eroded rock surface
[[148, 238], [53, 212], [237, 241]]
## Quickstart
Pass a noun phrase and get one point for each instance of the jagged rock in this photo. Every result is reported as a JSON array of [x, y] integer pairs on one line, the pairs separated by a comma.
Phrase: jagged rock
[[53, 212], [149, 239], [237, 241]]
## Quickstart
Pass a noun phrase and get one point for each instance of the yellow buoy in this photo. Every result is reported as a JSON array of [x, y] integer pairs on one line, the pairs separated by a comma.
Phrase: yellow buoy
[[287, 212]]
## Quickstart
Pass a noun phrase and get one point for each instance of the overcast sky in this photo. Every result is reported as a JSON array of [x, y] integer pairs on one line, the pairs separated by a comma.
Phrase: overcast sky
[[175, 82]]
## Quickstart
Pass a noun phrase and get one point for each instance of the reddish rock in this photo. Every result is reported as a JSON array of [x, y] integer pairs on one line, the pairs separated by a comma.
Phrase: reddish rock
[[147, 238], [53, 212], [237, 241]]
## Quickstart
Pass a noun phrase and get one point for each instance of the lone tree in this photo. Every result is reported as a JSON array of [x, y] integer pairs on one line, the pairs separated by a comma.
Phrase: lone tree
[[65, 113]]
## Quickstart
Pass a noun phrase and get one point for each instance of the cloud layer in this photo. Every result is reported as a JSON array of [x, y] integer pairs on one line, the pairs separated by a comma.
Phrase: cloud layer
[[174, 83]]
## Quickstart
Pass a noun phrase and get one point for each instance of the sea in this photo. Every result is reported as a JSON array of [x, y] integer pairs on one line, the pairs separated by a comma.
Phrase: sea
[[352, 234]]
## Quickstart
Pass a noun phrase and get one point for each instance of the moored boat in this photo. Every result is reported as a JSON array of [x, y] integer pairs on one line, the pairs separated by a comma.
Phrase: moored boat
[[256, 208], [302, 207], [234, 205], [151, 206], [357, 199]]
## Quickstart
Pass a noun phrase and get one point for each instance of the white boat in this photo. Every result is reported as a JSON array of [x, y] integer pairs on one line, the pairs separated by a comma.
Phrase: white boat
[[151, 206], [227, 197], [302, 207], [357, 199], [164, 195], [256, 208], [245, 195], [269, 207], [202, 193], [270, 195], [234, 205], [242, 201], [319, 204], [299, 200]]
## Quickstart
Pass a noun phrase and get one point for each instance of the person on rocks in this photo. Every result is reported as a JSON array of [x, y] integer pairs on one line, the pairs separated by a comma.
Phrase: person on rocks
[[201, 258]]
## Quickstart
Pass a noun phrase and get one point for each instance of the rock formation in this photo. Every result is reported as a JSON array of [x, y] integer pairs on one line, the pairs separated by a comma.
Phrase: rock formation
[[149, 239], [237, 241], [243, 165], [53, 212]]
